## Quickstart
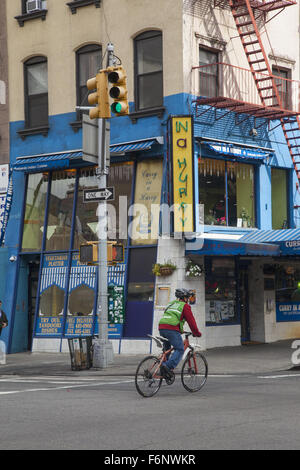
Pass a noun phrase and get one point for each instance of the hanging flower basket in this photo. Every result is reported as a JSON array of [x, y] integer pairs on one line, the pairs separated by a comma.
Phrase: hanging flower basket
[[193, 269], [163, 269]]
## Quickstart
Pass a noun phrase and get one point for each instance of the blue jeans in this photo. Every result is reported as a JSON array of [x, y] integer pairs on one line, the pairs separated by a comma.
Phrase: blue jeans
[[174, 338]]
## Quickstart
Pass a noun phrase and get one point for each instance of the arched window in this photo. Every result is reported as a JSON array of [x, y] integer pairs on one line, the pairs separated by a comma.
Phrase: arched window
[[88, 62], [148, 70], [36, 92]]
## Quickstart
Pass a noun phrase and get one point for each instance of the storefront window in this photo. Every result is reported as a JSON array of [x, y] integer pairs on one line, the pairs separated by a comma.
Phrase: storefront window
[[86, 212], [220, 291], [279, 199], [52, 301], [226, 192], [287, 281], [35, 212], [120, 179], [144, 227], [60, 210], [212, 191], [81, 301]]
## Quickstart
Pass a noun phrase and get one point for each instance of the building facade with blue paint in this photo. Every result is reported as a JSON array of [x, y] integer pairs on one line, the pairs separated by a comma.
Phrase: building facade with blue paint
[[243, 175]]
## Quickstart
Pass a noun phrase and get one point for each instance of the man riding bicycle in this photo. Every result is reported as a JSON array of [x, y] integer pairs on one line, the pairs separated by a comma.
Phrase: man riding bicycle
[[171, 328]]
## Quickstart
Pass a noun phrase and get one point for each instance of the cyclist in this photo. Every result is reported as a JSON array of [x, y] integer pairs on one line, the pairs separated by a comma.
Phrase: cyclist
[[171, 328]]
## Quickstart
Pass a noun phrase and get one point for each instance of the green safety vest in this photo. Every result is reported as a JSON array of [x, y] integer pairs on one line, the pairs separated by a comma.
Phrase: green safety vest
[[172, 315]]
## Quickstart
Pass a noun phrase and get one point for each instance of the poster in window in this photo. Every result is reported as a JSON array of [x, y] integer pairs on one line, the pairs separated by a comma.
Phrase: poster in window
[[144, 227]]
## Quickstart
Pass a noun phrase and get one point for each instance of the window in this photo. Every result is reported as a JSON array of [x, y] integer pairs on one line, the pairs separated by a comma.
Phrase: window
[[226, 193], [88, 62], [144, 227], [283, 85], [60, 210], [220, 291], [120, 178], [148, 70], [279, 182], [36, 92], [74, 4], [35, 212], [287, 278], [208, 75], [38, 10]]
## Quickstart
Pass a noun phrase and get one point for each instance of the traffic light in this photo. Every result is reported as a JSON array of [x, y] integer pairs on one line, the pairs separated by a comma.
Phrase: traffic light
[[88, 253], [115, 252], [100, 96], [117, 77]]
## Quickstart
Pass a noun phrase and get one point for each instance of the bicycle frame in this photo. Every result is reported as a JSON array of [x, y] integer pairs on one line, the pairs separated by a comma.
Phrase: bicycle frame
[[163, 357]]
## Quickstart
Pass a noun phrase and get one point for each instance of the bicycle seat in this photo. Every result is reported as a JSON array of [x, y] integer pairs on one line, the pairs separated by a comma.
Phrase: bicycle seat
[[157, 340]]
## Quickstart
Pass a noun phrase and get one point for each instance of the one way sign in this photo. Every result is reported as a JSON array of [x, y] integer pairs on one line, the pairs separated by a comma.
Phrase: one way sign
[[105, 194]]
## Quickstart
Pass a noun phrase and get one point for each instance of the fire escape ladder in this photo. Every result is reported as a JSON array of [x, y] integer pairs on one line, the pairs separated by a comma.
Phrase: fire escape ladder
[[244, 17]]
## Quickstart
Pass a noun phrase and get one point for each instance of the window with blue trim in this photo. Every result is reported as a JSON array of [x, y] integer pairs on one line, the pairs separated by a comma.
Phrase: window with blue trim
[[279, 182], [226, 193]]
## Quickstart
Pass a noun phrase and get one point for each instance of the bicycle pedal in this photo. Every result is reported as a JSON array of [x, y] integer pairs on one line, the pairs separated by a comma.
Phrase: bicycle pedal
[[170, 379]]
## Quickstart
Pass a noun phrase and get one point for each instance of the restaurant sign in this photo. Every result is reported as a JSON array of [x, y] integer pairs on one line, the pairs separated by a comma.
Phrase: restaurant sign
[[183, 173]]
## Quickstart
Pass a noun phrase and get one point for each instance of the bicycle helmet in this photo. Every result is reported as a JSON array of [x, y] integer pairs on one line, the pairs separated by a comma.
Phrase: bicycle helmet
[[182, 293]]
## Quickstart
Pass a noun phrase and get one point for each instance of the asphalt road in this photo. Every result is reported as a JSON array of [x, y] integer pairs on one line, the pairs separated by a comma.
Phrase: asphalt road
[[106, 413]]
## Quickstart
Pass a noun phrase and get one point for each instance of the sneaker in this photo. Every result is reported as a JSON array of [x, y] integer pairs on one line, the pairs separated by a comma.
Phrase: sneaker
[[166, 372]]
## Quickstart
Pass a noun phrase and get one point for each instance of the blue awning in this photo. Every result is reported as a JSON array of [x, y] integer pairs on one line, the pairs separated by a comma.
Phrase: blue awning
[[50, 161], [288, 240], [271, 236], [135, 146], [238, 151], [218, 247], [66, 159]]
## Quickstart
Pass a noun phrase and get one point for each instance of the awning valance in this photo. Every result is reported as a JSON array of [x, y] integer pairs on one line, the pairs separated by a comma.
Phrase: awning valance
[[288, 240], [135, 146], [220, 247], [271, 236], [49, 161], [66, 159], [237, 152]]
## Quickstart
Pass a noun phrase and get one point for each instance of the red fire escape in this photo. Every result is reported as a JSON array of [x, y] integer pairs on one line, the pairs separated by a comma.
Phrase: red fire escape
[[277, 99]]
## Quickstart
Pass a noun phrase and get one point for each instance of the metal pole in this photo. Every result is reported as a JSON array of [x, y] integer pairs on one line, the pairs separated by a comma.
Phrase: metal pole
[[105, 347]]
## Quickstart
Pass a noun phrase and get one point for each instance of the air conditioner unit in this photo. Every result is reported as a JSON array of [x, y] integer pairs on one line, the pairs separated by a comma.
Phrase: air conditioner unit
[[34, 5]]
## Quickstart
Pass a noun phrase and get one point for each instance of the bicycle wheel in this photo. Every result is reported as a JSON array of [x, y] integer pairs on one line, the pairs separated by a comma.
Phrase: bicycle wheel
[[147, 376], [194, 371]]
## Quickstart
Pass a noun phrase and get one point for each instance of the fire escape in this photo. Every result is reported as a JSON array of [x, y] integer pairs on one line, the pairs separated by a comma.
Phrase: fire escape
[[258, 91]]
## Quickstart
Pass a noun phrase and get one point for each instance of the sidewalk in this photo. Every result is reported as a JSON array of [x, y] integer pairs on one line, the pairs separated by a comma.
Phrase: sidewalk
[[248, 359]]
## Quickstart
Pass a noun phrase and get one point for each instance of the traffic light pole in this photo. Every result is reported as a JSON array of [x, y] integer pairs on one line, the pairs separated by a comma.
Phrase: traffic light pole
[[105, 355]]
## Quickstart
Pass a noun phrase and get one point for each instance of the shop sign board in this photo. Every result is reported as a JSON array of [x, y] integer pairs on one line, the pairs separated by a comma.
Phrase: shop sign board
[[287, 311], [54, 274], [183, 173], [290, 247]]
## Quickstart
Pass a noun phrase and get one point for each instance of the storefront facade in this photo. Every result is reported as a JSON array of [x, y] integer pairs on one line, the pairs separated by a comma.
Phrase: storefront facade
[[230, 175]]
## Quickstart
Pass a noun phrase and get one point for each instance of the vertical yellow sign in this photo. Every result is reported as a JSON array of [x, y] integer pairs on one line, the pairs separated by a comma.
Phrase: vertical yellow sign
[[183, 173]]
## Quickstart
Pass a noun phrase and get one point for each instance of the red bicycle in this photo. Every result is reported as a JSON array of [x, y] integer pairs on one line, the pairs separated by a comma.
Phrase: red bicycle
[[148, 378]]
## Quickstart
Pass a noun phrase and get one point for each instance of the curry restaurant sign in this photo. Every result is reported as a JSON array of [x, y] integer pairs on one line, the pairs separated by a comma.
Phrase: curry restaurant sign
[[183, 173]]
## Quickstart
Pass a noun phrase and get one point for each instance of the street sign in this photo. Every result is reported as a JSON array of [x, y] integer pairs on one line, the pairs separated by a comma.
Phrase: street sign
[[90, 143], [104, 194]]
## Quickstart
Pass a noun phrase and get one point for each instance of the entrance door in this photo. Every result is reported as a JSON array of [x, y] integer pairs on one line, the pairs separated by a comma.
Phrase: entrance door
[[139, 308], [32, 293], [244, 304]]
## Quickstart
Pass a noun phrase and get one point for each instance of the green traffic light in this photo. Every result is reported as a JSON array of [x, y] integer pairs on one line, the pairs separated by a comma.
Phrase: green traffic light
[[116, 108]]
